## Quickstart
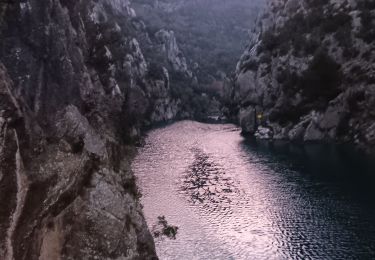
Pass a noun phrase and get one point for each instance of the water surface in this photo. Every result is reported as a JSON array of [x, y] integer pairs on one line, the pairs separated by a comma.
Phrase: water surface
[[234, 198]]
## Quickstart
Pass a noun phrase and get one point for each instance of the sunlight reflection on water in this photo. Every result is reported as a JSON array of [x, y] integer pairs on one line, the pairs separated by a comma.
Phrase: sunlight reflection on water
[[232, 200]]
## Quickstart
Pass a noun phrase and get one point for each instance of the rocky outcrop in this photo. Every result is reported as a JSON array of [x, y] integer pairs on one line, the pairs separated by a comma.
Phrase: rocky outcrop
[[247, 120], [75, 89], [168, 45], [64, 197], [210, 36], [308, 72]]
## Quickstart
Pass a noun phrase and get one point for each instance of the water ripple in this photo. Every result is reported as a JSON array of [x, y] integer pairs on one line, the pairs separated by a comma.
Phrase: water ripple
[[206, 181], [238, 200]]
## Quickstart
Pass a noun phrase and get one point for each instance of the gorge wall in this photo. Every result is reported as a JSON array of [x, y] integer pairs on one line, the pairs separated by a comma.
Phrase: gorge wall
[[211, 35], [76, 87], [79, 79], [308, 73]]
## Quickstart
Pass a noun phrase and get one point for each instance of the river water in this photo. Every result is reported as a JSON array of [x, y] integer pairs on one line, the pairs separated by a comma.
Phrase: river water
[[234, 198]]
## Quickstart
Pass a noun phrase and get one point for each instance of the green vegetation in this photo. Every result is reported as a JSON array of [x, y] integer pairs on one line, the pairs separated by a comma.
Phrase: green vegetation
[[302, 33], [155, 71], [288, 80], [319, 81], [193, 98], [318, 84], [367, 31], [322, 78], [211, 33]]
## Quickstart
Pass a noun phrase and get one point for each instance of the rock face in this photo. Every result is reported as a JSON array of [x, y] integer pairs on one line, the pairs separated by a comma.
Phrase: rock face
[[168, 45], [211, 33], [75, 88], [309, 72]]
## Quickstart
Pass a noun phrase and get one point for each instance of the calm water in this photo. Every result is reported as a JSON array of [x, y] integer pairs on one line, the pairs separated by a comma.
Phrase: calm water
[[234, 198]]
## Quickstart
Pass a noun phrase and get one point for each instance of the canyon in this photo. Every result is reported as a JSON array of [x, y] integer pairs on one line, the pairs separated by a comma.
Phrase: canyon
[[82, 81]]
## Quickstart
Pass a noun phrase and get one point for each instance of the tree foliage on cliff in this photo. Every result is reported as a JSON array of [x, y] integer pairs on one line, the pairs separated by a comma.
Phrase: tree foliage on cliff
[[212, 33]]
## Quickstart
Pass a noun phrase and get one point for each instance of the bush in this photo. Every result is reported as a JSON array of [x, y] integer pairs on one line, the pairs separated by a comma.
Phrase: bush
[[350, 53], [355, 99], [366, 5], [311, 46], [288, 80], [334, 22], [286, 114], [251, 65], [155, 72], [322, 78], [344, 37], [367, 31], [316, 3], [269, 41], [265, 58]]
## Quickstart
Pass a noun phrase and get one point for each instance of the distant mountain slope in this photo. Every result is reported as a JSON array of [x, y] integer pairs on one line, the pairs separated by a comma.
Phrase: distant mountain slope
[[212, 33]]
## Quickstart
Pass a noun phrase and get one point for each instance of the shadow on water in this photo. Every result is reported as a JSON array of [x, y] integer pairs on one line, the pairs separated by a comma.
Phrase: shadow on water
[[352, 171]]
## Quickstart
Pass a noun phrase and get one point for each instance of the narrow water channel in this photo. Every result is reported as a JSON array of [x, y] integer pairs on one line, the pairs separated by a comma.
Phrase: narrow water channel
[[234, 198]]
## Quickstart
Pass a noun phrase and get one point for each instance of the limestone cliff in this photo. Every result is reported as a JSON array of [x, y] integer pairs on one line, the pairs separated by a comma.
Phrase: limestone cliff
[[211, 33], [75, 89], [308, 73]]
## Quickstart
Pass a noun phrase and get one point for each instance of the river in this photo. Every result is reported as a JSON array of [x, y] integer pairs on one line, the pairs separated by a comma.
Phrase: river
[[236, 198]]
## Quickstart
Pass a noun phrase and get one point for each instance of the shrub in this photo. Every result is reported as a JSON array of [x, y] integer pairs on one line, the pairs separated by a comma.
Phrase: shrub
[[288, 80], [349, 53], [316, 3], [366, 5], [322, 78], [265, 58], [251, 65], [286, 114], [344, 37], [367, 31], [269, 40], [155, 71], [334, 22], [311, 46], [355, 99]]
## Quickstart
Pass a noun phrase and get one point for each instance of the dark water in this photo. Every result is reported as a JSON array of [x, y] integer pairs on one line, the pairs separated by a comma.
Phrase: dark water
[[234, 198]]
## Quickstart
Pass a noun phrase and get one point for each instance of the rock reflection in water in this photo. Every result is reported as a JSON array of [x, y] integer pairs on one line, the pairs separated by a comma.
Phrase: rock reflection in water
[[206, 181]]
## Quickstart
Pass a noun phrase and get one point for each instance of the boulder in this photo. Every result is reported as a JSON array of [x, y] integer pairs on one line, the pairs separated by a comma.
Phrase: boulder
[[264, 133], [313, 133], [298, 131], [246, 90], [247, 118]]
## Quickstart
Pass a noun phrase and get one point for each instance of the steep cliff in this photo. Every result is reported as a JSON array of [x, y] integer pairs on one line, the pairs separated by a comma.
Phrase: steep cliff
[[308, 73], [75, 89], [211, 35]]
